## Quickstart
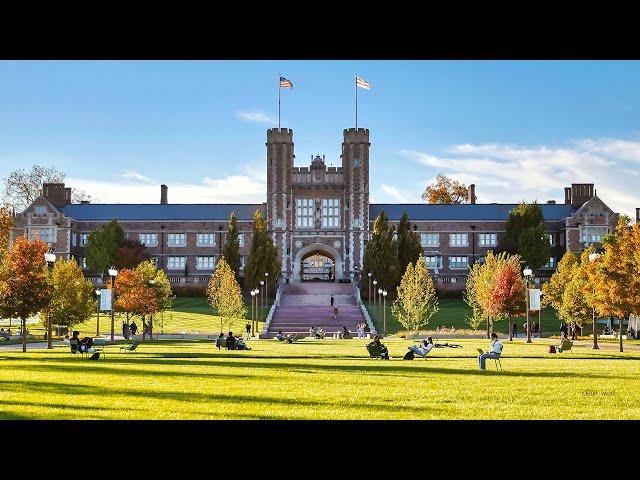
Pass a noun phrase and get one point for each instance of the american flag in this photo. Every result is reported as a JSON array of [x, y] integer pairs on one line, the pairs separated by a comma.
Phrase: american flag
[[362, 83], [284, 83]]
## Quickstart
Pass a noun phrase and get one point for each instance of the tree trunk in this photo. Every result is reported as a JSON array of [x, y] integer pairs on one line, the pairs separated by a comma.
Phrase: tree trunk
[[488, 332], [24, 335], [144, 329], [620, 323], [510, 330]]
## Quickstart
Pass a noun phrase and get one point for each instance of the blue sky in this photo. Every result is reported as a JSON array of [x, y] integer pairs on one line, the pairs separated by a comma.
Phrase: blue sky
[[518, 129]]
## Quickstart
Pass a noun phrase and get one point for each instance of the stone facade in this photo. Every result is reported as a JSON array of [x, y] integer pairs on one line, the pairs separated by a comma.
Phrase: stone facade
[[311, 210]]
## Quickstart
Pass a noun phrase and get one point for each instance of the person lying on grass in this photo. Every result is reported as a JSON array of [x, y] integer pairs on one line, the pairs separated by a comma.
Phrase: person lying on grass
[[423, 349]]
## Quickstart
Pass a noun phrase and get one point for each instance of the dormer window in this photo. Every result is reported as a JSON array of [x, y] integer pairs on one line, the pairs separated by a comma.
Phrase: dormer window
[[41, 209]]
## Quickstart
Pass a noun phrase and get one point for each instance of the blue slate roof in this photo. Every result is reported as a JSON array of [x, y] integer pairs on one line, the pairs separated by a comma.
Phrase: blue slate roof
[[120, 211], [466, 211]]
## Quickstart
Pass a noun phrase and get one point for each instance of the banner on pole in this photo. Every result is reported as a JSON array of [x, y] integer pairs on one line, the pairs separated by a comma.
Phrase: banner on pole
[[534, 299], [105, 299]]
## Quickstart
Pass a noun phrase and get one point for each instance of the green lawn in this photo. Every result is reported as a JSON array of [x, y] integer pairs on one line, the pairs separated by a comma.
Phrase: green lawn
[[453, 312], [328, 379]]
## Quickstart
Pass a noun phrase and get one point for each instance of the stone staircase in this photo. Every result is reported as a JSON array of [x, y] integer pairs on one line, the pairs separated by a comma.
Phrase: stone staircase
[[308, 304]]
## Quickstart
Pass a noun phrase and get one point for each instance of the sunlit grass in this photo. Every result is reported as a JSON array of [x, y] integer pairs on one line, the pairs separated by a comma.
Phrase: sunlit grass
[[328, 379]]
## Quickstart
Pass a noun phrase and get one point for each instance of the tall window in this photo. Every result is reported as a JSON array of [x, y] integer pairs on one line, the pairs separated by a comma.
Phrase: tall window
[[242, 258], [458, 262], [177, 240], [430, 239], [206, 240], [593, 234], [83, 239], [487, 239], [330, 212], [551, 237], [356, 222], [74, 239], [148, 239], [84, 262], [304, 212], [241, 239], [458, 239], [46, 234], [205, 263], [551, 263], [433, 261], [176, 263]]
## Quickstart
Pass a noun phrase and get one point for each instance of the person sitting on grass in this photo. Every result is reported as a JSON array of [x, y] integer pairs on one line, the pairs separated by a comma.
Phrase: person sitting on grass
[[281, 337], [344, 333], [231, 341], [313, 332], [320, 333], [384, 353], [219, 340], [495, 350], [240, 345]]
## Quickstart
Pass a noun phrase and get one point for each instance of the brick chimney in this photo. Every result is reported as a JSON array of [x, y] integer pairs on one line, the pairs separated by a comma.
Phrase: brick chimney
[[567, 195], [471, 194], [637, 215], [164, 191], [57, 194]]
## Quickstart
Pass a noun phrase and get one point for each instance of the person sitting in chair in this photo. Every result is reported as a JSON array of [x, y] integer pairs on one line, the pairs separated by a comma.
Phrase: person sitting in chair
[[384, 353], [281, 337], [495, 350], [231, 341], [423, 349], [4, 334], [344, 333], [320, 333]]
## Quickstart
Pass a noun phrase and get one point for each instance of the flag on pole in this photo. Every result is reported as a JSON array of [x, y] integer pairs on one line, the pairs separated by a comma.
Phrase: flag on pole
[[284, 83], [362, 83]]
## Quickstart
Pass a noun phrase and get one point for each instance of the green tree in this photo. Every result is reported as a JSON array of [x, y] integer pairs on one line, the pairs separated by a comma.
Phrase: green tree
[[416, 300], [224, 293], [525, 236], [263, 257], [231, 250], [71, 295], [409, 248], [381, 254], [24, 284], [575, 307], [102, 246], [158, 281]]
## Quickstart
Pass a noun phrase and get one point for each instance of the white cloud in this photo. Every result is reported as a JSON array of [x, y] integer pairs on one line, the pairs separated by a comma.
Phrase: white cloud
[[511, 173], [131, 175], [256, 117], [394, 193], [141, 189]]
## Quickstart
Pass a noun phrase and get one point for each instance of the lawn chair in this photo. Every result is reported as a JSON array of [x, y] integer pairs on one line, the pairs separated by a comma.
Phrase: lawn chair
[[129, 348], [75, 348], [99, 344], [497, 362], [566, 346], [374, 350]]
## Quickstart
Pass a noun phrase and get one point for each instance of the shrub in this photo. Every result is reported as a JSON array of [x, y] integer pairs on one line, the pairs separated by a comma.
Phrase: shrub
[[189, 290]]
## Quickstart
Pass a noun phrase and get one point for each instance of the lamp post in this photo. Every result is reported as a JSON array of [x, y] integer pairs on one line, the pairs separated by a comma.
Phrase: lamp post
[[375, 282], [261, 298], [266, 287], [98, 293], [369, 294], [252, 312], [592, 258], [379, 302], [527, 273], [50, 258], [151, 283], [113, 273], [384, 312]]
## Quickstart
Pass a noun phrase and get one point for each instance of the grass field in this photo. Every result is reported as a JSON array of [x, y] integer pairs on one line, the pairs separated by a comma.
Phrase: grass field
[[328, 379]]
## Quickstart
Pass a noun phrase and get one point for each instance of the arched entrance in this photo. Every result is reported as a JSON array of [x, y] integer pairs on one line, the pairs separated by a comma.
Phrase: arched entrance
[[317, 262]]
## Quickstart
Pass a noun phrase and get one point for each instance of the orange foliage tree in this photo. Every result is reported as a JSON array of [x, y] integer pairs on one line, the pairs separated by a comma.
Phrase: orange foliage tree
[[508, 292], [445, 190], [24, 286], [6, 225]]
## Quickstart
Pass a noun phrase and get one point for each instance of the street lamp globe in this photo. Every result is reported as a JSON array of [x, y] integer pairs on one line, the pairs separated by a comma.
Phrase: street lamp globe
[[253, 292], [113, 272], [266, 274], [375, 282], [369, 274], [261, 282], [384, 293], [594, 256], [380, 291], [527, 272], [98, 292], [50, 257]]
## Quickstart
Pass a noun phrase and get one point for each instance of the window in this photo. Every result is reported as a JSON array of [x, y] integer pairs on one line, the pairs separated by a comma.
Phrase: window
[[177, 240], [45, 234], [430, 239], [205, 263], [330, 212], [41, 209], [592, 234], [279, 223], [551, 238], [176, 263], [356, 222], [551, 263], [206, 240], [458, 262], [356, 162], [148, 239], [304, 212], [242, 262], [487, 239], [241, 239], [84, 237], [433, 261], [74, 239], [458, 239], [84, 262], [395, 236]]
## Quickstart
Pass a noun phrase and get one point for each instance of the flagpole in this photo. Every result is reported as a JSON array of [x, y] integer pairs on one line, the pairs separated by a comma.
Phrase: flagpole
[[356, 87], [279, 101]]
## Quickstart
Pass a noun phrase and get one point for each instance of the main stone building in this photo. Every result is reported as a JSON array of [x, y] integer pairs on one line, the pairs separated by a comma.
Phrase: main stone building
[[319, 217]]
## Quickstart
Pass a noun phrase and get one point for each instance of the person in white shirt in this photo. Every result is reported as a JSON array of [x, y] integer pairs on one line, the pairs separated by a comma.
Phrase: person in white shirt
[[495, 350], [426, 347]]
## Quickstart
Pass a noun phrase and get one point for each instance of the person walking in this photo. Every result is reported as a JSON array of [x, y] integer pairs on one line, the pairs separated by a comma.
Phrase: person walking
[[124, 330], [332, 300], [248, 329], [515, 329], [335, 312]]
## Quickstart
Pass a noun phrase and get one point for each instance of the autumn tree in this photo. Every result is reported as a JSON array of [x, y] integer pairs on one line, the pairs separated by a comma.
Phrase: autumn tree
[[617, 278], [231, 250], [553, 290], [24, 286], [508, 291], [416, 300], [71, 300], [446, 190], [102, 246], [381, 254], [575, 307], [525, 236], [22, 187], [157, 280], [409, 248], [6, 226], [224, 293], [263, 257], [130, 254]]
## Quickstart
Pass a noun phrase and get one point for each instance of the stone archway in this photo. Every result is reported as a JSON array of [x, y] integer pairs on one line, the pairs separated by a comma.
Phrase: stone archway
[[309, 250]]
